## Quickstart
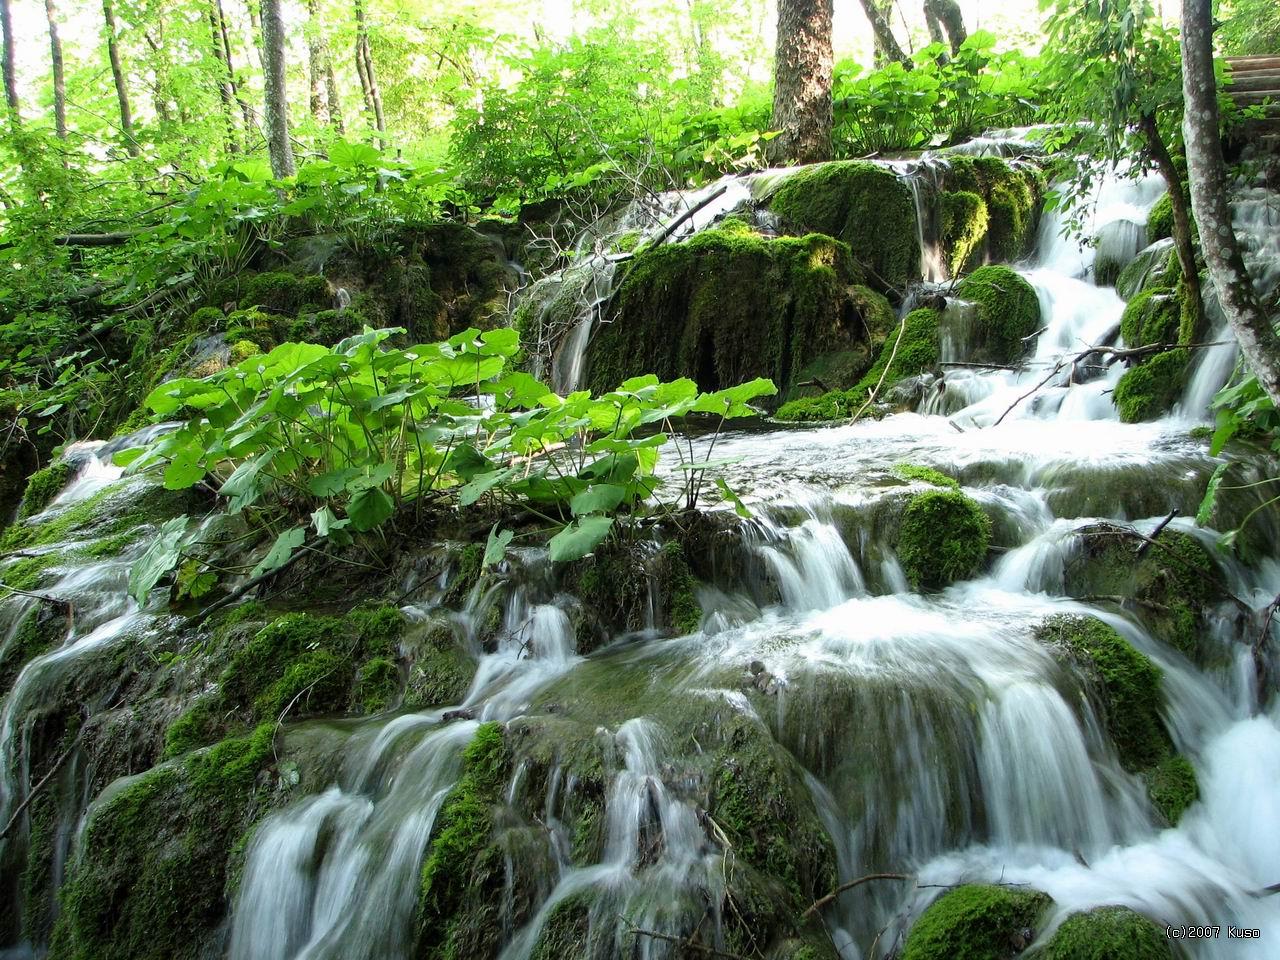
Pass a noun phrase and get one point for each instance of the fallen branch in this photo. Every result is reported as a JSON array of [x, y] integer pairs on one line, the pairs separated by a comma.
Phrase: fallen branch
[[682, 942], [35, 791], [98, 239], [244, 588], [1259, 653], [834, 894], [1156, 533], [680, 221]]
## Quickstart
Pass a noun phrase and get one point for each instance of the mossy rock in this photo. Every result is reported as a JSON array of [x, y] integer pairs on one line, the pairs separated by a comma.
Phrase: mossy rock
[[42, 628], [1172, 787], [919, 352], [915, 473], [1151, 389], [617, 583], [964, 228], [1129, 683], [863, 204], [1108, 933], [1012, 194], [286, 294], [43, 486], [327, 327], [977, 922], [440, 669], [728, 306], [1156, 267], [1008, 313], [943, 537], [1152, 317], [150, 880], [1160, 220]]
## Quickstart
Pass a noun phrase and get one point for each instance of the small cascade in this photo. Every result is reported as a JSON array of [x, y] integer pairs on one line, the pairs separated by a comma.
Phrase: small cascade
[[924, 177]]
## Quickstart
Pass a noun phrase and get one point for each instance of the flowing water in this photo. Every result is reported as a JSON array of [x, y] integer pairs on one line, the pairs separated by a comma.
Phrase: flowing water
[[935, 735]]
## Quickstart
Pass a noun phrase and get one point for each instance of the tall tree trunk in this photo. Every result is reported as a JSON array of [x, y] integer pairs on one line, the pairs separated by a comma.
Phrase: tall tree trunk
[[10, 73], [935, 28], [117, 74], [245, 110], [331, 89], [226, 88], [59, 75], [947, 13], [315, 65], [368, 79], [163, 86], [275, 92], [1182, 240], [886, 44], [802, 81], [1208, 175]]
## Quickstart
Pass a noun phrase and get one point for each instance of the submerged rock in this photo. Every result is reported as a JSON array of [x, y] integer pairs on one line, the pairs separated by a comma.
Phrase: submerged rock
[[943, 537]]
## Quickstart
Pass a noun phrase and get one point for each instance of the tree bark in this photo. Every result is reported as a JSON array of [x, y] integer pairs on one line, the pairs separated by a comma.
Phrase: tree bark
[[947, 12], [935, 28], [1182, 241], [275, 92], [368, 79], [59, 74], [226, 88], [10, 73], [245, 109], [117, 74], [315, 65], [887, 49], [802, 81], [331, 89], [1208, 176]]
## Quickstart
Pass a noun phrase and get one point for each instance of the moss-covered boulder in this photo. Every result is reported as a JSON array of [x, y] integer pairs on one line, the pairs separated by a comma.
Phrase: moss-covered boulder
[[1108, 933], [440, 669], [909, 351], [964, 228], [730, 305], [1172, 787], [1012, 193], [1160, 220], [624, 590], [1155, 267], [1008, 313], [977, 922], [43, 486], [286, 293], [1150, 389], [866, 205], [1151, 317], [943, 537]]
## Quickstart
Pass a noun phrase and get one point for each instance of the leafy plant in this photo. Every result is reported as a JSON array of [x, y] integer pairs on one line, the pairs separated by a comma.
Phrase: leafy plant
[[333, 444]]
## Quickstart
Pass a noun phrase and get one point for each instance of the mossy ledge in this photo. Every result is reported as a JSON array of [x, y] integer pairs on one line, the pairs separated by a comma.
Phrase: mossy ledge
[[1011, 192]]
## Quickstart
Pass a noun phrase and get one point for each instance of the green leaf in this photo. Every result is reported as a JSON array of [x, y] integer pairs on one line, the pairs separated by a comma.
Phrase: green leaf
[[325, 521], [579, 538], [161, 557], [481, 484], [369, 508], [1210, 498], [280, 551], [184, 470], [731, 495], [600, 498], [496, 548]]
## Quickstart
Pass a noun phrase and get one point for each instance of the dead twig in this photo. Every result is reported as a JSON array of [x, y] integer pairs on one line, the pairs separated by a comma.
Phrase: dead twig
[[834, 894], [682, 942]]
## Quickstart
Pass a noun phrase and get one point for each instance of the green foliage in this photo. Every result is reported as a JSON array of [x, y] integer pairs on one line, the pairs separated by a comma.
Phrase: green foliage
[[1108, 933], [943, 537], [975, 922], [1248, 27], [1008, 314], [1150, 389]]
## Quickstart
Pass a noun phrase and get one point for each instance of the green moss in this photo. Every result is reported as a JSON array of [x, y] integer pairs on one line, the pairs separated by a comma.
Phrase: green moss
[[1129, 681], [462, 877], [440, 670], [1151, 317], [1012, 196], [566, 932], [317, 682], [1150, 389], [469, 567], [1160, 220], [865, 205], [377, 685], [976, 922], [43, 486], [259, 326], [42, 628], [1008, 313], [1108, 933], [964, 228], [1172, 787], [918, 353], [243, 350], [327, 326], [915, 472], [205, 320], [943, 537], [150, 880], [728, 306], [199, 725], [286, 294]]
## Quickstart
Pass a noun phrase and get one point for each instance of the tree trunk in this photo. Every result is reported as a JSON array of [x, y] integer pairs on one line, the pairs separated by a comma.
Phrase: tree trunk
[[935, 28], [1181, 222], [887, 49], [164, 85], [59, 75], [368, 79], [315, 65], [1208, 175], [245, 110], [947, 12], [117, 74], [226, 90], [10, 74], [331, 89], [275, 92], [802, 81]]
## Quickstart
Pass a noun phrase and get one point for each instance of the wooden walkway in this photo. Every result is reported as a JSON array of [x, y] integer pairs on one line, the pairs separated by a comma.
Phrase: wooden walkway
[[1256, 80]]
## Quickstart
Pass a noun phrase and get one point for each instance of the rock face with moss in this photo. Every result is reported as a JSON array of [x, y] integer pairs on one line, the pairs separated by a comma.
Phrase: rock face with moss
[[1008, 314], [866, 205], [1108, 933], [943, 537], [730, 305], [1150, 390], [977, 922], [965, 220], [1012, 194]]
